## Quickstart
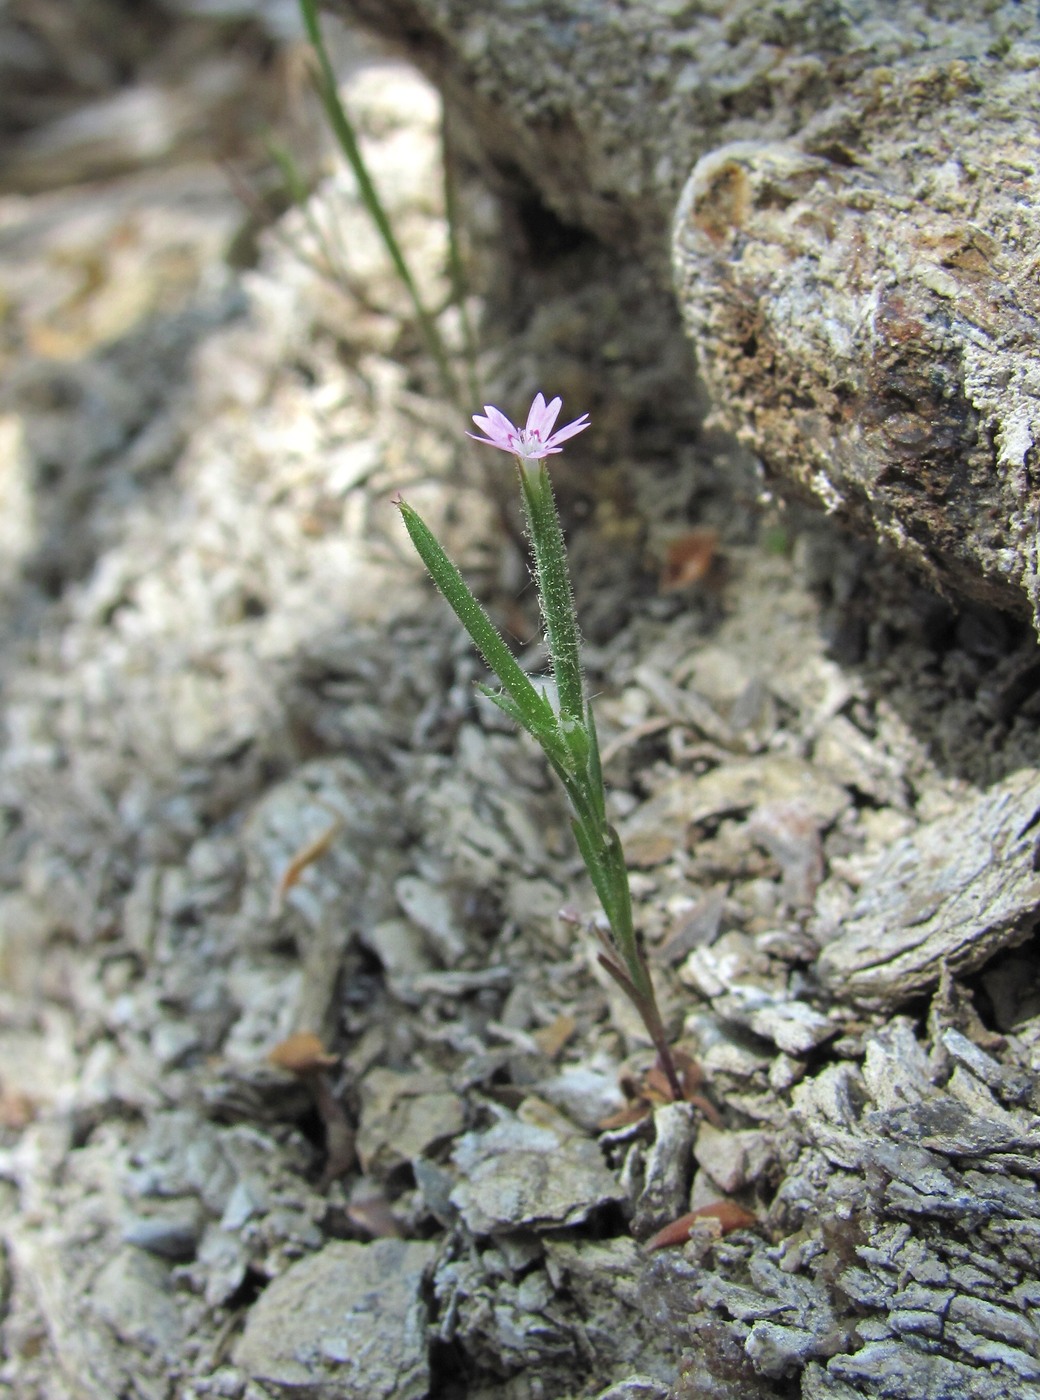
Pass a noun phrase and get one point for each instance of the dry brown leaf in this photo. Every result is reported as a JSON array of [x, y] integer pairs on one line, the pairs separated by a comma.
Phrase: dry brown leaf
[[653, 1090], [721, 1217], [552, 1038], [17, 1110], [689, 559], [307, 855], [302, 1053]]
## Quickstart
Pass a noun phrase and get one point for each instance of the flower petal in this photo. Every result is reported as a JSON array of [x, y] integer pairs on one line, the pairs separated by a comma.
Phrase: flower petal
[[501, 424], [542, 416], [535, 413], [500, 431], [549, 417], [568, 431], [492, 442], [497, 416]]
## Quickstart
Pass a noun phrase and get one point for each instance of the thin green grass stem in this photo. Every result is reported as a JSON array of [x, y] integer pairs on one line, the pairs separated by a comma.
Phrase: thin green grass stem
[[296, 188], [346, 136]]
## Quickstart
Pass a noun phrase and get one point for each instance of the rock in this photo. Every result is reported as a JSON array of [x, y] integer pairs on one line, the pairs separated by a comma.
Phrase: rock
[[896, 1273], [907, 1371], [916, 407], [347, 1323], [86, 1350], [733, 1159], [950, 895], [403, 1116], [403, 952], [430, 909], [1010, 1085], [566, 1312], [609, 1286], [853, 249], [521, 1175], [636, 1388], [792, 1025], [586, 1093], [778, 1351], [724, 1051], [848, 755], [790, 832], [667, 1171], [133, 1294], [172, 1234], [332, 808], [749, 989], [655, 829], [174, 1041]]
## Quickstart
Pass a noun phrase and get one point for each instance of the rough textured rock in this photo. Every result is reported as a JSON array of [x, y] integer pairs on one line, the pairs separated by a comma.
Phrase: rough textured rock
[[87, 91], [867, 306], [854, 253], [906, 1262], [951, 895], [522, 1174], [347, 1323]]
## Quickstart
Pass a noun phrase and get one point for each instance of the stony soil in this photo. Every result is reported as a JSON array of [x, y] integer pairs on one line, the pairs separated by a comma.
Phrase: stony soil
[[306, 1088]]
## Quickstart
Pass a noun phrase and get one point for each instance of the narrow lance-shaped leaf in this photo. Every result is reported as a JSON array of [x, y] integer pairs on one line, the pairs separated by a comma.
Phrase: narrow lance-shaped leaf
[[597, 790], [532, 709]]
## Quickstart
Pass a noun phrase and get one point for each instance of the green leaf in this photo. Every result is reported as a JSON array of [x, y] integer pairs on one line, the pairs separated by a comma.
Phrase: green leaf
[[576, 738], [532, 710], [596, 789]]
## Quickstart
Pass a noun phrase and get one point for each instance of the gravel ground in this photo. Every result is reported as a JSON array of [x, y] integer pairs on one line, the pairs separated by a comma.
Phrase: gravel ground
[[306, 1089]]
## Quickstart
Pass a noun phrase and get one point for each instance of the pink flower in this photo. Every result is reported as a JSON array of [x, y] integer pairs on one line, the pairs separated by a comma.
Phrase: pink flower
[[534, 441]]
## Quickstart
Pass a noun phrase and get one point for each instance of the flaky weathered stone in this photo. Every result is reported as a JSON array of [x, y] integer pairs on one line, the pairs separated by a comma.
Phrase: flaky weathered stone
[[866, 303], [347, 1323], [950, 895], [855, 251], [904, 1270], [521, 1175]]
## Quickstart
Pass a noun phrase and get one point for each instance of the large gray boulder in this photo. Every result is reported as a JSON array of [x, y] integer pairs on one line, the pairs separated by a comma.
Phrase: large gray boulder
[[850, 196]]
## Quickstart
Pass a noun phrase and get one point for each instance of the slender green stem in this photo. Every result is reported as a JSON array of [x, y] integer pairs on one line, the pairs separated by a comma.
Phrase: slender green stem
[[651, 1018], [343, 130], [636, 980], [604, 859], [554, 587]]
